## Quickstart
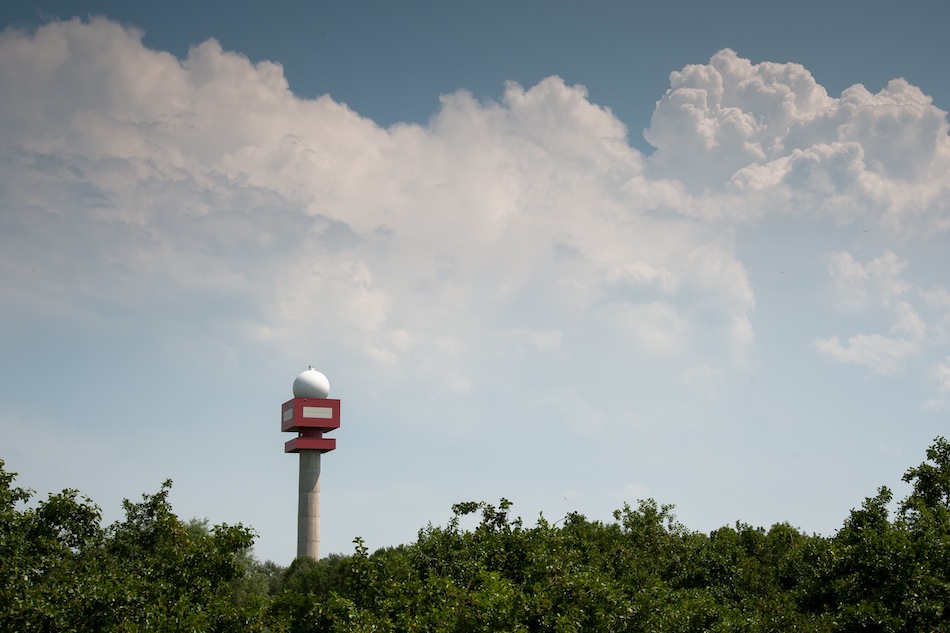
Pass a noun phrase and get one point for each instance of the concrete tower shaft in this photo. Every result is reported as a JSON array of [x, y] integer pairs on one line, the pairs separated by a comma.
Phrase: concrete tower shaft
[[308, 506]]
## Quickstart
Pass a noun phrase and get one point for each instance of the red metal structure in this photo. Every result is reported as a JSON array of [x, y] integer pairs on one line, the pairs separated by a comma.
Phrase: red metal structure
[[310, 418]]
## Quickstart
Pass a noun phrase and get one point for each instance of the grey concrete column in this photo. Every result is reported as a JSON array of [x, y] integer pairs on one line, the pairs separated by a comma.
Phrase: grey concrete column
[[308, 506]]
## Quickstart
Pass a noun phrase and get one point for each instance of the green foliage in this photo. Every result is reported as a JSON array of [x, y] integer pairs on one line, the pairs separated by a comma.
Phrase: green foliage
[[60, 570], [884, 574], [645, 572], [884, 570]]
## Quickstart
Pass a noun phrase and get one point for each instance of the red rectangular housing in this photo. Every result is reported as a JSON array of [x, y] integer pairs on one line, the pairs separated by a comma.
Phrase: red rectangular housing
[[310, 418], [310, 413]]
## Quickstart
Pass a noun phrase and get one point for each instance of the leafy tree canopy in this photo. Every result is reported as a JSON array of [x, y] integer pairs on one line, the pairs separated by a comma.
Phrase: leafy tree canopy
[[884, 570]]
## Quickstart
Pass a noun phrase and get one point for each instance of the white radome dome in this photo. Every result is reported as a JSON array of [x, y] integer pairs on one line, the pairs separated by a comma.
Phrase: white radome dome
[[311, 384]]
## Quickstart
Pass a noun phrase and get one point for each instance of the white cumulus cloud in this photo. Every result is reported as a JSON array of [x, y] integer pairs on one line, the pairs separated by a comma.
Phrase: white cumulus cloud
[[880, 354], [133, 182]]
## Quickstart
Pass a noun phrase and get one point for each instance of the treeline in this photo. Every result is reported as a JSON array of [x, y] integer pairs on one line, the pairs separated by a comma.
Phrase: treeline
[[884, 570]]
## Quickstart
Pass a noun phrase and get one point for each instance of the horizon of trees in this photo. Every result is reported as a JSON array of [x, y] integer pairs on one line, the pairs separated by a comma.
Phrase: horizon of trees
[[61, 569]]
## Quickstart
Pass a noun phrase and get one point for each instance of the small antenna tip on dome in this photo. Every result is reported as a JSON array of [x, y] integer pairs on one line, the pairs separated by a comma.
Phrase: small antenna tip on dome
[[311, 384]]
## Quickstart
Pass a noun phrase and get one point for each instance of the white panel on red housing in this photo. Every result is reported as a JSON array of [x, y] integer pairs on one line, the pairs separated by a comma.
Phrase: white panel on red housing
[[321, 413]]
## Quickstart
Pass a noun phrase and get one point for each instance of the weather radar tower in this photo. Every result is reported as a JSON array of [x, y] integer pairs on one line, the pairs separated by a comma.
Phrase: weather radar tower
[[310, 414]]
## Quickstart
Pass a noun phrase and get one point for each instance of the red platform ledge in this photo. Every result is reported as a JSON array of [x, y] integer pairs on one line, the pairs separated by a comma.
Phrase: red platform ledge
[[322, 444]]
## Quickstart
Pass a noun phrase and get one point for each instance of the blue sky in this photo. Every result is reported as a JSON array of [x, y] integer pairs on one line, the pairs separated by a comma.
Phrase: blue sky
[[569, 255]]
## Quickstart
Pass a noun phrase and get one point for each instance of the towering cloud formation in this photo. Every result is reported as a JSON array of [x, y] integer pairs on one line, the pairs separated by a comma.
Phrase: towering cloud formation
[[735, 123], [204, 189]]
